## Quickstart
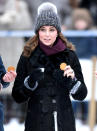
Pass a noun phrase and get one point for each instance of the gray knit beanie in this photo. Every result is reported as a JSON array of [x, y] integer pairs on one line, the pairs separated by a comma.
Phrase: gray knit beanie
[[47, 15]]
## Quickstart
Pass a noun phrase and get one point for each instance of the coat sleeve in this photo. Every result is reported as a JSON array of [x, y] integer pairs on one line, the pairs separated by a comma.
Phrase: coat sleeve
[[19, 92], [81, 93], [2, 73]]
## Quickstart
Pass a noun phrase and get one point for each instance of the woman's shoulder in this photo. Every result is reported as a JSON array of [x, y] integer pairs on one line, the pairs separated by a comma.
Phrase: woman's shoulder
[[23, 59], [71, 54], [70, 51]]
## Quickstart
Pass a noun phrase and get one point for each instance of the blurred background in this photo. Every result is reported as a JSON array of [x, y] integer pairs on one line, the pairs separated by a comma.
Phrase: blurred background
[[79, 25]]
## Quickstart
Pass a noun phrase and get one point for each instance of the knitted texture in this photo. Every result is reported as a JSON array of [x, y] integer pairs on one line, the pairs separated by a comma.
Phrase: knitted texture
[[47, 15]]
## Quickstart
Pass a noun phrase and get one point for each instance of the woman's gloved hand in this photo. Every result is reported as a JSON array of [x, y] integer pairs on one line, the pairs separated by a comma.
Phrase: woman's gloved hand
[[62, 80], [59, 76], [36, 75]]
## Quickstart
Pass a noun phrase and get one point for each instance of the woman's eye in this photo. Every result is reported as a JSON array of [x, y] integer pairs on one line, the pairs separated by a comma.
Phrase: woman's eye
[[52, 30], [42, 29]]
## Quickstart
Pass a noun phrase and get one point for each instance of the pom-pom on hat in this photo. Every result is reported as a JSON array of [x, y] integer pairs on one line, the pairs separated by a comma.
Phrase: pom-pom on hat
[[47, 15]]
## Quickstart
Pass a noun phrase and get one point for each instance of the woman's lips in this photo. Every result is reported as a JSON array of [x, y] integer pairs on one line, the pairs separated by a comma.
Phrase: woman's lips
[[47, 40]]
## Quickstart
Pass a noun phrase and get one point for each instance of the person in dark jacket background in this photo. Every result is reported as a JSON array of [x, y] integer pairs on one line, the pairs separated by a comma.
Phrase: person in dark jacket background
[[42, 83], [5, 79], [86, 48]]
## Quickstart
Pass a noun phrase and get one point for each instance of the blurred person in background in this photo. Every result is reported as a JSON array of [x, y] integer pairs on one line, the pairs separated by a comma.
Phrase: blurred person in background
[[41, 83], [5, 79], [15, 15], [86, 47], [65, 12], [91, 5]]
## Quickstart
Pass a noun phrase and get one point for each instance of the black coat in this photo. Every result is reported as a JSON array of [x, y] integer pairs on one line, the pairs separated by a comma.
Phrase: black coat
[[50, 94]]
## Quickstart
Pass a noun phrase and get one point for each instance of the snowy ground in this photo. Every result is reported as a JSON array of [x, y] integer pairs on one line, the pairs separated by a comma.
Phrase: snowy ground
[[14, 125], [81, 127]]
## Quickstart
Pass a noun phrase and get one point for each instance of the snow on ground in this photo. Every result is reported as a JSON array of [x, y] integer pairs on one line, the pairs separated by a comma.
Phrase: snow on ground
[[15, 126], [83, 127]]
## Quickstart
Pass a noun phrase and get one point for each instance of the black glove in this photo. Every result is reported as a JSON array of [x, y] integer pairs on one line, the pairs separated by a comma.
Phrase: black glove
[[36, 75], [61, 80], [58, 75]]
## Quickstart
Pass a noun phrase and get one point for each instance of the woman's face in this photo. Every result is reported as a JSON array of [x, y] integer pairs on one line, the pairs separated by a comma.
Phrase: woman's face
[[47, 35], [81, 25]]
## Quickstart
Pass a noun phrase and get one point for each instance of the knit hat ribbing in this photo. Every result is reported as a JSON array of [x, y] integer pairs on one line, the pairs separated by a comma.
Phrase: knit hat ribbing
[[47, 15]]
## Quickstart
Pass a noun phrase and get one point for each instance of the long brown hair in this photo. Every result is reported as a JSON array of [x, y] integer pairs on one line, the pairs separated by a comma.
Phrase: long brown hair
[[33, 43]]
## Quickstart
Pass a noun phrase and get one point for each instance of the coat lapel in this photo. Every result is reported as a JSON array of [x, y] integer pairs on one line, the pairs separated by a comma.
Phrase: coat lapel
[[34, 58]]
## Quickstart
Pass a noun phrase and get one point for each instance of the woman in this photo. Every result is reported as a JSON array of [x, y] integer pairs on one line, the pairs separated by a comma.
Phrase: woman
[[40, 81], [5, 78]]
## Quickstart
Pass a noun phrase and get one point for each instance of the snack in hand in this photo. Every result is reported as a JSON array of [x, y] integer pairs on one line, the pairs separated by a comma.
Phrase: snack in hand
[[11, 68], [62, 66]]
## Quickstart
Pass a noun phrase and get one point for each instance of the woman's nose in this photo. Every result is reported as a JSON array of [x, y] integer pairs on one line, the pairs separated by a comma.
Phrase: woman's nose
[[47, 33]]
